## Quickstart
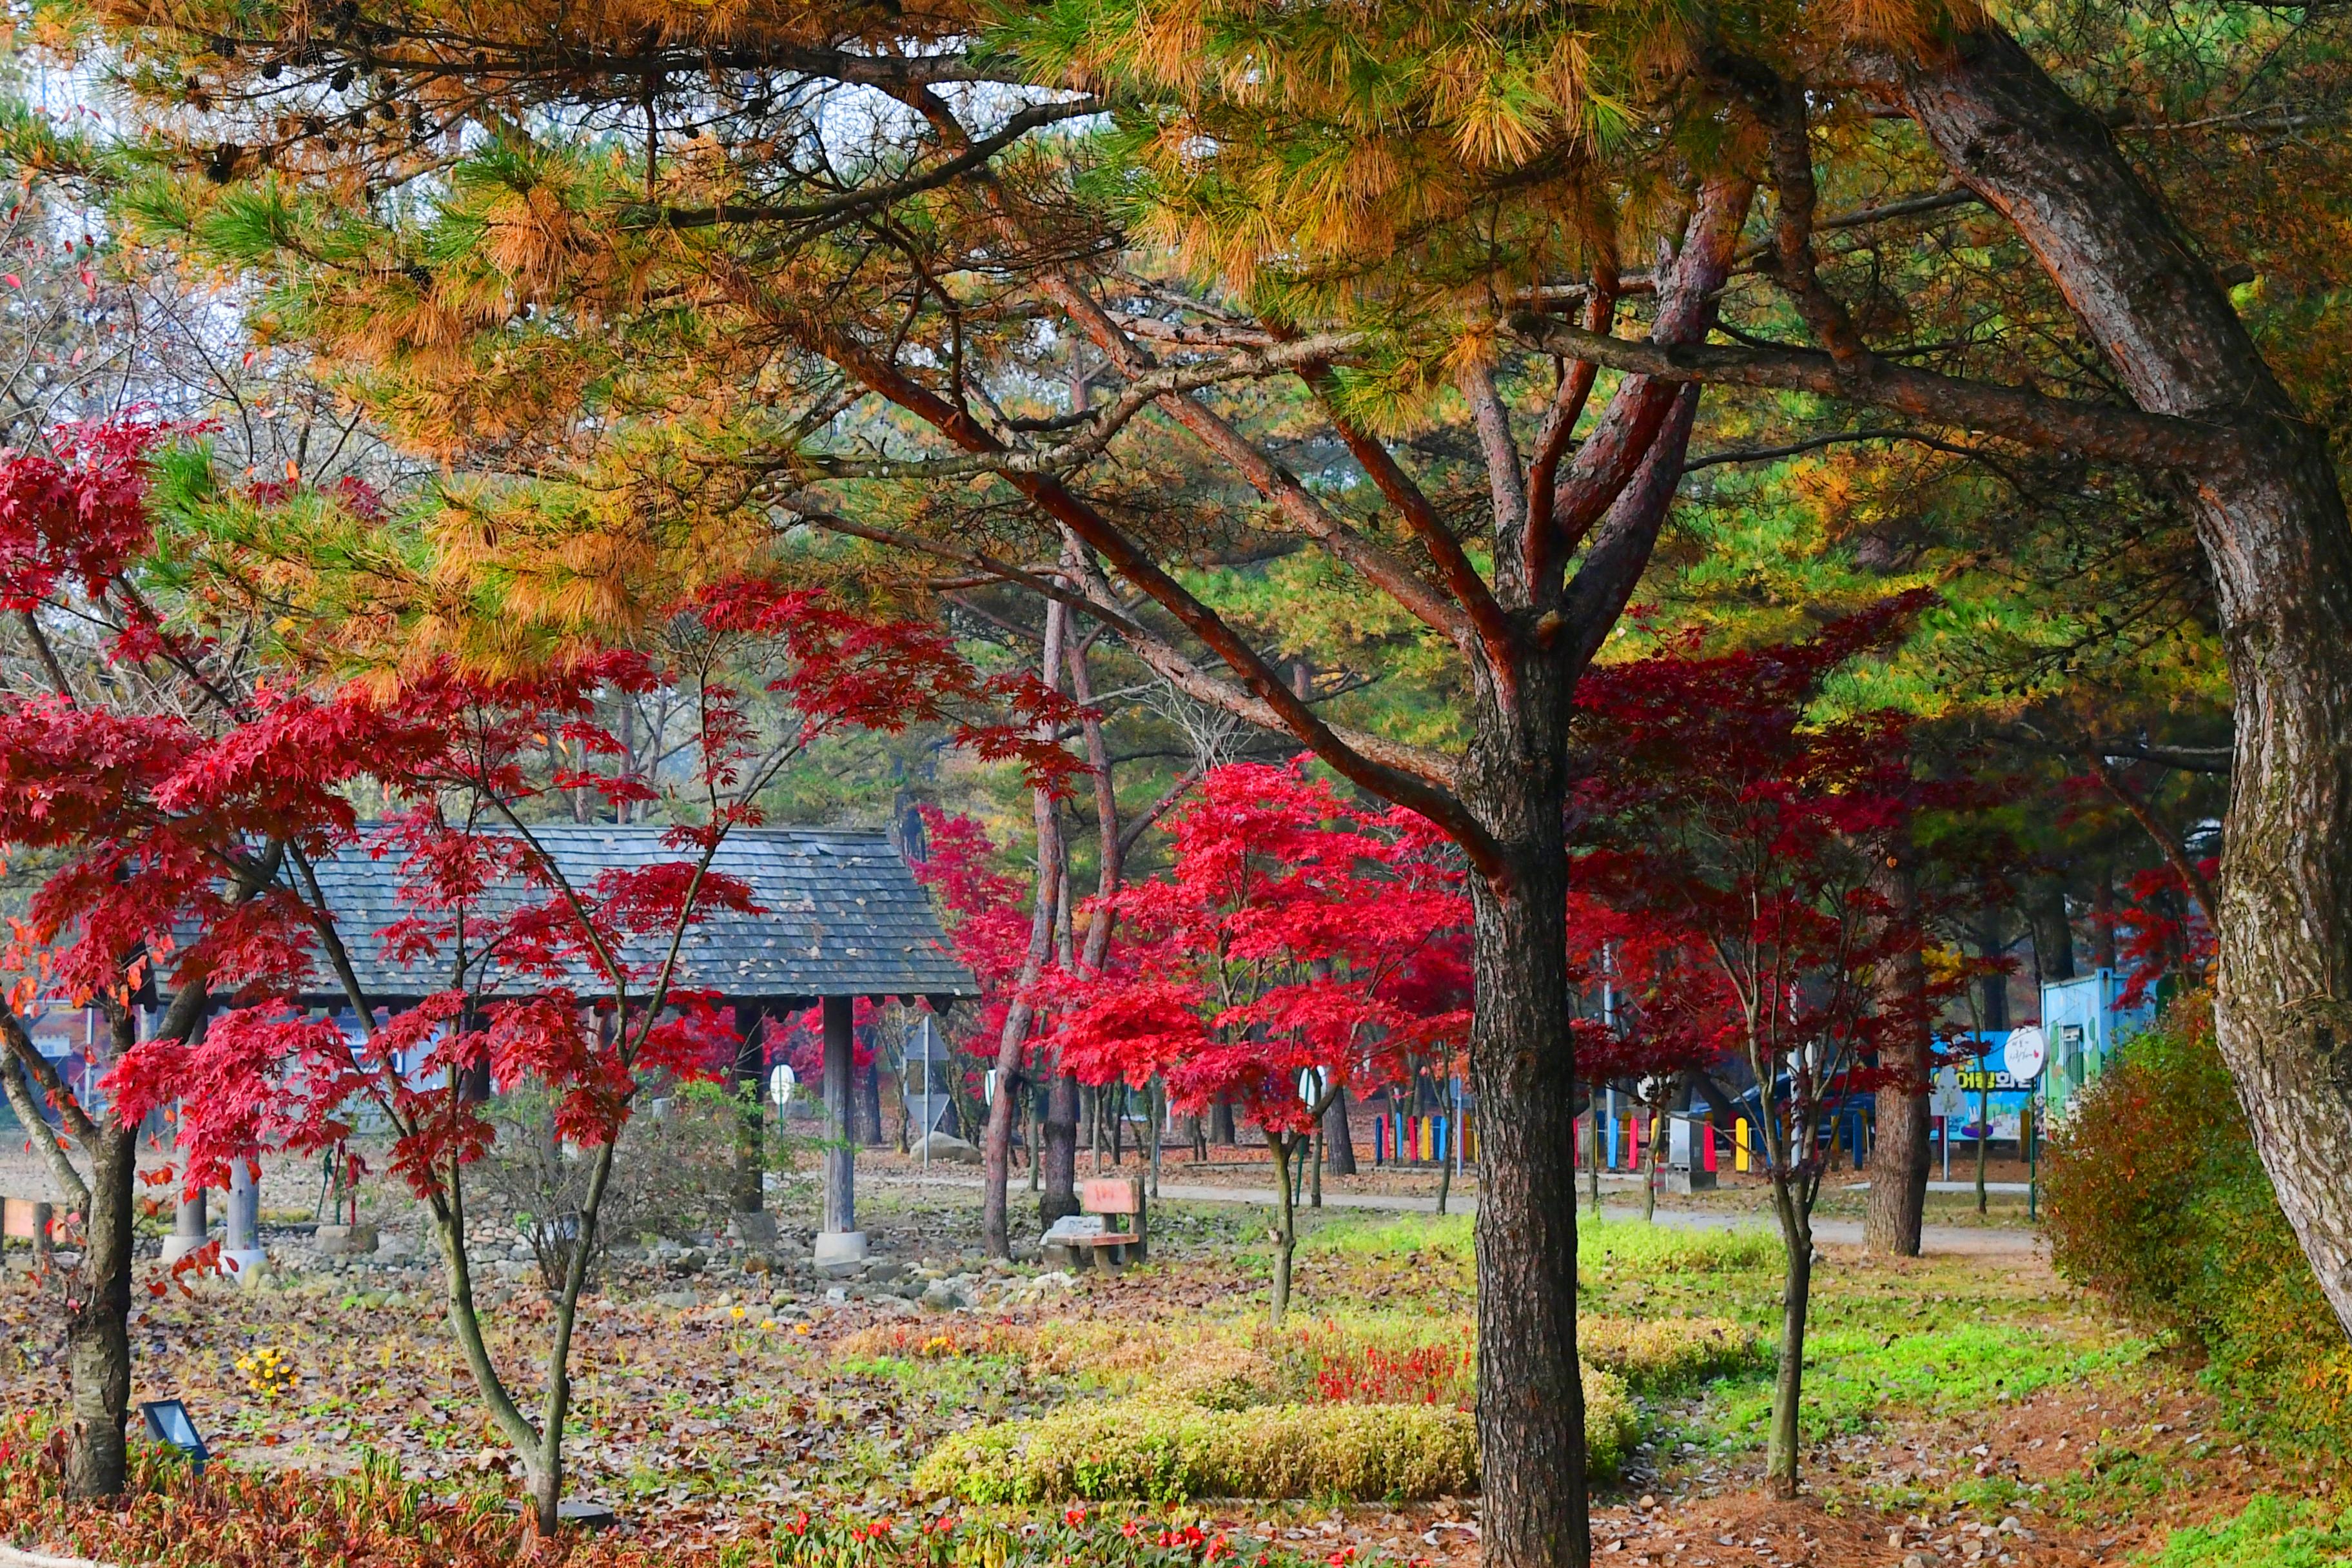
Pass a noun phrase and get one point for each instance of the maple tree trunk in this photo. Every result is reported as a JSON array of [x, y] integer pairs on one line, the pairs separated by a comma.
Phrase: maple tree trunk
[[1285, 1234], [1221, 1125], [2276, 538], [1899, 1159], [1534, 1512], [98, 1330], [1650, 1169], [1796, 1301]]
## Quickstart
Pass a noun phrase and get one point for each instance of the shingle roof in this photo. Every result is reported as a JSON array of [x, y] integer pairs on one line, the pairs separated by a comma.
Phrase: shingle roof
[[842, 916]]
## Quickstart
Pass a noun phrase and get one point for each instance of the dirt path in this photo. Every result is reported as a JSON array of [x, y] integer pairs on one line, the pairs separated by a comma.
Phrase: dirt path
[[1934, 1240]]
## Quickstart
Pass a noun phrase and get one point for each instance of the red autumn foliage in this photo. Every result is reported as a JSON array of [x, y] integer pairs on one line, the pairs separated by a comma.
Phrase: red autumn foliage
[[2160, 932], [1733, 830], [1297, 934], [985, 919]]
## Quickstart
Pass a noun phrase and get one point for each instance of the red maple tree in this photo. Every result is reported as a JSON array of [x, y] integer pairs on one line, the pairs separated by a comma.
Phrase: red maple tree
[[1278, 963], [1739, 827], [166, 778], [539, 975]]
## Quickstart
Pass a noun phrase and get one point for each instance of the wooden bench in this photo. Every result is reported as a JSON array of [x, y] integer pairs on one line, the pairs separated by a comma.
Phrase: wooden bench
[[1110, 1228]]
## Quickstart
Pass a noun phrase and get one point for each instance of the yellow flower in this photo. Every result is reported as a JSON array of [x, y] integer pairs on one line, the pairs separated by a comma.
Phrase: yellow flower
[[735, 1312], [799, 1328], [767, 1325]]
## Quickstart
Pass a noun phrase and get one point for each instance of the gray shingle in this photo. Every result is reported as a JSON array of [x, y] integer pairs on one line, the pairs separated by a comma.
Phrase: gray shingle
[[842, 916]]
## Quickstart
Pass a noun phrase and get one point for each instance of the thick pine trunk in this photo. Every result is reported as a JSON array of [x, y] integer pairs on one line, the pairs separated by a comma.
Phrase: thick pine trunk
[[2275, 534], [1531, 1393], [97, 1332], [1898, 1160]]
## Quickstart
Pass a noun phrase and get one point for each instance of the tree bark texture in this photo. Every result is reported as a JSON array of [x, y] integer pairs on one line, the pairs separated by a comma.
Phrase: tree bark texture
[[97, 1333], [1061, 1140], [1898, 1160], [2053, 934], [2272, 526], [1534, 1511]]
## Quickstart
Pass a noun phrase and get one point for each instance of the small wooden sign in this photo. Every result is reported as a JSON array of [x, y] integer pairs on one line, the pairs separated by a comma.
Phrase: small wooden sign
[[1111, 1195]]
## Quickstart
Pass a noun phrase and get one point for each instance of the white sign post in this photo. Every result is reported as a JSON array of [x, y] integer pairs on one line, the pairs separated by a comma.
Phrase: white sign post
[[780, 1085]]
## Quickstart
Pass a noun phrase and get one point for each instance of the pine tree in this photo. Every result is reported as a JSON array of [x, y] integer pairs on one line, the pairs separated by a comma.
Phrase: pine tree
[[672, 281]]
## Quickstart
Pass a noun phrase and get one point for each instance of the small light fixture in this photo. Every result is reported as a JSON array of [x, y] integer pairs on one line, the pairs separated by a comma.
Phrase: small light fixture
[[168, 1421]]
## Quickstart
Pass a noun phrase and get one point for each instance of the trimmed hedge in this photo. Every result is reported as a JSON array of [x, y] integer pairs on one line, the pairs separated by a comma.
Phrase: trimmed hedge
[[1165, 1449], [2156, 1202], [1164, 1452], [1660, 1353]]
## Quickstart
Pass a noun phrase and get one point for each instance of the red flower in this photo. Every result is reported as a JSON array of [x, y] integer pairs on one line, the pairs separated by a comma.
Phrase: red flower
[[1074, 1517]]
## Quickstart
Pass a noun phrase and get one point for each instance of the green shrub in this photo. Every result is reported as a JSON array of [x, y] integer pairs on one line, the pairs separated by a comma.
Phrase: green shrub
[[2269, 1533], [1633, 1247], [2158, 1202], [1654, 1354], [1164, 1450]]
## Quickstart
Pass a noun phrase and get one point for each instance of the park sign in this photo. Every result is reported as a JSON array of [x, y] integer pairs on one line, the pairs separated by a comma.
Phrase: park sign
[[2023, 1055]]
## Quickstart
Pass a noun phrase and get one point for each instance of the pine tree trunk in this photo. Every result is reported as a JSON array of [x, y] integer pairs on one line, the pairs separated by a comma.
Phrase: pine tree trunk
[[1061, 1194], [98, 1325], [2054, 935], [1898, 1160], [1533, 1507], [2275, 534]]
